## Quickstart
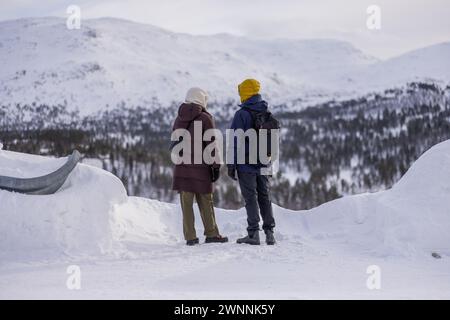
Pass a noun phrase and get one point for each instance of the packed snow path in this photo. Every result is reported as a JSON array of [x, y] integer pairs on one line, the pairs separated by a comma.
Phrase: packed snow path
[[127, 247], [290, 270]]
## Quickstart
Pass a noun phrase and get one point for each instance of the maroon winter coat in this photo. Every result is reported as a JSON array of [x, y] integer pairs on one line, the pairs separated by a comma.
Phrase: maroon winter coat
[[192, 177]]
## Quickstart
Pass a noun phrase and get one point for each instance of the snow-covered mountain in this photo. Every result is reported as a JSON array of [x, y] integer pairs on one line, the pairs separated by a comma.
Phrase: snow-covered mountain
[[110, 61], [426, 64], [133, 247]]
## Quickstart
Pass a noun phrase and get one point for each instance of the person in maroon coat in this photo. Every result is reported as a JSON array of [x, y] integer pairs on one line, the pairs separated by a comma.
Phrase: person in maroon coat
[[195, 180]]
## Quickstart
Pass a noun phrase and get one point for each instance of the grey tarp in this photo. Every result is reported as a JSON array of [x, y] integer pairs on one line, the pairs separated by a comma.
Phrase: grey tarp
[[43, 185]]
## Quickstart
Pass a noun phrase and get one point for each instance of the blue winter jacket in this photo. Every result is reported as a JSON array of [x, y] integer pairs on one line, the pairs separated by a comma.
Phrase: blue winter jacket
[[243, 120]]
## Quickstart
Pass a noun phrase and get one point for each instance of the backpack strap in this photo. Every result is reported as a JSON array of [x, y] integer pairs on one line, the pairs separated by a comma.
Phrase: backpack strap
[[253, 114]]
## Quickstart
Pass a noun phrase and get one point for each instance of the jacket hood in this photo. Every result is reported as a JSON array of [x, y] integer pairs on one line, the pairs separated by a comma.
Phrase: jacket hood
[[197, 96], [255, 103], [248, 88], [189, 111]]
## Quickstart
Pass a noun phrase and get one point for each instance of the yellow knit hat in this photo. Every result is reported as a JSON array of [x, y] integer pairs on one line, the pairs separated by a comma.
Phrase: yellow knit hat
[[248, 89]]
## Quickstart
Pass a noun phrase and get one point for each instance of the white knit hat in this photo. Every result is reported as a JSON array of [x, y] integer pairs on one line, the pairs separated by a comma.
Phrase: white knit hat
[[197, 96]]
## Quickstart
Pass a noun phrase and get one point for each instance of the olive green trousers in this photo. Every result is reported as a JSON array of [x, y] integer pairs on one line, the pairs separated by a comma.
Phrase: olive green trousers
[[206, 208]]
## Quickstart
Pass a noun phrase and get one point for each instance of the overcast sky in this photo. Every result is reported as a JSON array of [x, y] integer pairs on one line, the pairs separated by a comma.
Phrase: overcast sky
[[405, 24]]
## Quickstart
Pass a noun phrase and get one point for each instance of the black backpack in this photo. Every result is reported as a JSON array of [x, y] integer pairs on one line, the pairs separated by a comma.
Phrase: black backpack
[[264, 120]]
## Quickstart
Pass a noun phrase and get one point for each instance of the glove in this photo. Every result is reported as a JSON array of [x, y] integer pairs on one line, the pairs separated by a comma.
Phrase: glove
[[232, 173], [215, 174]]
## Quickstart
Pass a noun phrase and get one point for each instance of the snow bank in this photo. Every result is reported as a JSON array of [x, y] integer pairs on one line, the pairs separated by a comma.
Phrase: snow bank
[[92, 215], [412, 217], [75, 220]]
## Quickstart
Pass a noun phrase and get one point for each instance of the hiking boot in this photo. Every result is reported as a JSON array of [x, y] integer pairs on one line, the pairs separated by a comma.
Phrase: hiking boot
[[252, 238], [192, 242], [270, 239], [216, 239]]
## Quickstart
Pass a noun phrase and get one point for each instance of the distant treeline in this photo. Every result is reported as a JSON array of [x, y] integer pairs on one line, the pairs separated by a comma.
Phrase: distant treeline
[[327, 151]]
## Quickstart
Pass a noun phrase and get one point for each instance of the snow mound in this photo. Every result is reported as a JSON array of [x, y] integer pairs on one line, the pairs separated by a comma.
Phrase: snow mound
[[92, 215], [75, 220], [412, 217]]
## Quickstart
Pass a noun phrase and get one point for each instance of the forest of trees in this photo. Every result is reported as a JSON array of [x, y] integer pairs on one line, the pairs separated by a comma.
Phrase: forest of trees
[[327, 151]]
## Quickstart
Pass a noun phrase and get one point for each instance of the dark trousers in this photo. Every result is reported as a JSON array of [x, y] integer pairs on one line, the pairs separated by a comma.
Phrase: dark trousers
[[256, 192]]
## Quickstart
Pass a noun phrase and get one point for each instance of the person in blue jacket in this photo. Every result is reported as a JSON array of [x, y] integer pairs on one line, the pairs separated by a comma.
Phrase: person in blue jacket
[[255, 187]]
